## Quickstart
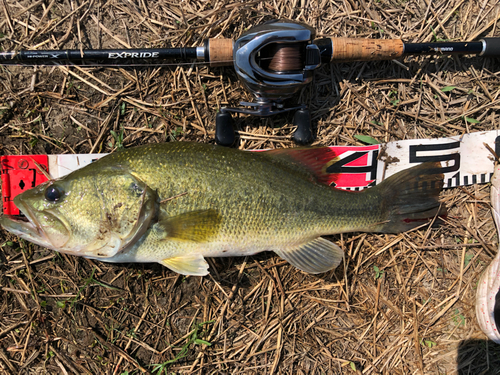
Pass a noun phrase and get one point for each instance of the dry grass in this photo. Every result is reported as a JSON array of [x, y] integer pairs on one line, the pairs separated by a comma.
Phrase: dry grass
[[62, 314]]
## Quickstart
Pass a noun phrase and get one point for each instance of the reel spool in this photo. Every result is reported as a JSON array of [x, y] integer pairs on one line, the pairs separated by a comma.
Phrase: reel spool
[[273, 61]]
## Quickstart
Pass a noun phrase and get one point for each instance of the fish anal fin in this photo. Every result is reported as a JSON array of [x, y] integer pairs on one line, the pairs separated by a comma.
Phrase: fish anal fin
[[196, 226], [193, 265], [316, 256]]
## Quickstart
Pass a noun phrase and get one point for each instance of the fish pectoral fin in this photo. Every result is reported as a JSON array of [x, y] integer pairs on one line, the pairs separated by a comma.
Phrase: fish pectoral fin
[[316, 256], [194, 265], [196, 226]]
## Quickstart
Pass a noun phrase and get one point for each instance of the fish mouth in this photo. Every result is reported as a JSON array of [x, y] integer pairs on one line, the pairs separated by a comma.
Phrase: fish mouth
[[29, 228]]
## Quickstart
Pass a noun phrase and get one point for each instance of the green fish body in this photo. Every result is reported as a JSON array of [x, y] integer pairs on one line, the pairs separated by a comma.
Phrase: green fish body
[[177, 203]]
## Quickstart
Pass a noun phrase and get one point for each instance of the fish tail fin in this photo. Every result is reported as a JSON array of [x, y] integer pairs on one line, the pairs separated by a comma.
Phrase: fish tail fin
[[411, 197]]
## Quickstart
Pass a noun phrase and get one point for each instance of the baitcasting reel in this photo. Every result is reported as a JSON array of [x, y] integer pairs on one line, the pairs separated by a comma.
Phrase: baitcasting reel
[[276, 59], [273, 61]]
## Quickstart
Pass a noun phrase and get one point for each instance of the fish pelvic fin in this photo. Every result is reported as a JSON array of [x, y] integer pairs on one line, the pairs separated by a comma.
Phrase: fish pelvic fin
[[196, 226], [316, 256], [410, 198], [193, 264]]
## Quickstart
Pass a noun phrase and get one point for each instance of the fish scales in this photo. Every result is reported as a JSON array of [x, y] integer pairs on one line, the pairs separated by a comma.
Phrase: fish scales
[[177, 203]]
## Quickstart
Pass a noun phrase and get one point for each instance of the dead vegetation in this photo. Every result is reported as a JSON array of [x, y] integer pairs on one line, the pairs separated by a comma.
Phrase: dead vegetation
[[401, 304]]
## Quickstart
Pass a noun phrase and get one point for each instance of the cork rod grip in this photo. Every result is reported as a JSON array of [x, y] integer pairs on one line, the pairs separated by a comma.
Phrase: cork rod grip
[[354, 49], [220, 52]]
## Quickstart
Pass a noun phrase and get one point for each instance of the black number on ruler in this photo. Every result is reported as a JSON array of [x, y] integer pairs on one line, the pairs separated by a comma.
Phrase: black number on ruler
[[455, 157], [341, 167], [33, 180]]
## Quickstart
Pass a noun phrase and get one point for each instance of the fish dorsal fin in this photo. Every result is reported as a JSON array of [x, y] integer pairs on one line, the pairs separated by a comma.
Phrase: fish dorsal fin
[[316, 256], [311, 161], [192, 264], [196, 226]]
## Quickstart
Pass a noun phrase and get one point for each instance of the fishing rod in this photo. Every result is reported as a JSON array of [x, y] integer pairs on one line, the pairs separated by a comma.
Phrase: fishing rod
[[273, 61]]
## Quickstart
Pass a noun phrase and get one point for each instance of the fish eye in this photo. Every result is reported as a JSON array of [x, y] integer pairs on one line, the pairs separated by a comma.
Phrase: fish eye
[[53, 193]]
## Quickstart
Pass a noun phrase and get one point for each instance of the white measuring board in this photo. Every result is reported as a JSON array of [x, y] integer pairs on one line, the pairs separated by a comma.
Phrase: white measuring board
[[465, 160]]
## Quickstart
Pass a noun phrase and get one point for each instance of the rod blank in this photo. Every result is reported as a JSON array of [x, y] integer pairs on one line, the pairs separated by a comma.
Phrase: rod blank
[[106, 55], [215, 51]]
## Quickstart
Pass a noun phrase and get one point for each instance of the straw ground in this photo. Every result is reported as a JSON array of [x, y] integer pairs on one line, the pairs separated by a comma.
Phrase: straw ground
[[400, 304]]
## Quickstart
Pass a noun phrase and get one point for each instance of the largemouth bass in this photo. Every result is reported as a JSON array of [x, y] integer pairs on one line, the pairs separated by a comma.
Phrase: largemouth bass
[[177, 203]]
